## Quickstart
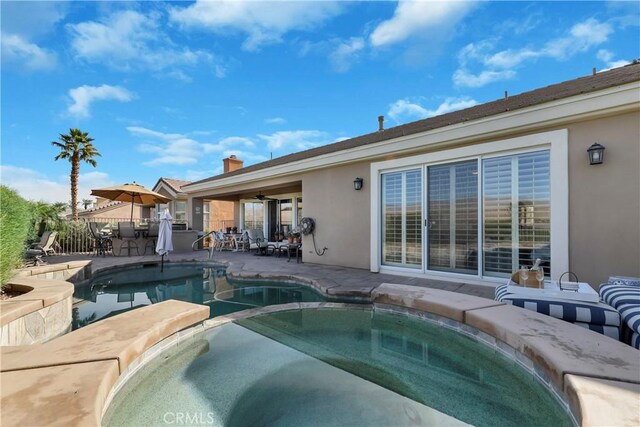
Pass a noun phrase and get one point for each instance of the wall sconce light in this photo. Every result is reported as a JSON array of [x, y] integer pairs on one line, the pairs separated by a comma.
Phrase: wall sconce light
[[596, 154], [357, 184]]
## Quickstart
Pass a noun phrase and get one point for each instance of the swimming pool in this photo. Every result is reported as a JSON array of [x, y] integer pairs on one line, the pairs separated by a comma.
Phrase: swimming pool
[[112, 293], [333, 367]]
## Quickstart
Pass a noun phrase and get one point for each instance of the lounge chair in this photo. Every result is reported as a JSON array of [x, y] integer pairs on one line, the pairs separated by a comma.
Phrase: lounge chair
[[46, 244], [45, 247]]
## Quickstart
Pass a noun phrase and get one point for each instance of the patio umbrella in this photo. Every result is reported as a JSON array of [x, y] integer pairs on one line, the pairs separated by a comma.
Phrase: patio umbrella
[[133, 193], [164, 244]]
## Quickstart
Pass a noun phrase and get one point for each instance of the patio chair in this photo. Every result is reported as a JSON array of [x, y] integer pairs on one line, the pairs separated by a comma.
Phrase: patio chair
[[257, 241], [127, 233], [221, 242], [45, 246], [102, 241], [152, 236]]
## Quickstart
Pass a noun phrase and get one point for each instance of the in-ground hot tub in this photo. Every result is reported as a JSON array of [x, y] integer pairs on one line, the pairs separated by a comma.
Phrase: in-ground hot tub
[[333, 367]]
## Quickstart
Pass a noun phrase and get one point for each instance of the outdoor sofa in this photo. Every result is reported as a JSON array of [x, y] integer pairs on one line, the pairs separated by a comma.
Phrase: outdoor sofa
[[623, 293]]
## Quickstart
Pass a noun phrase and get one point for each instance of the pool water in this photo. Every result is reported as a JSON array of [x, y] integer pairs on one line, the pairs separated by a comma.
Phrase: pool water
[[333, 367], [113, 293]]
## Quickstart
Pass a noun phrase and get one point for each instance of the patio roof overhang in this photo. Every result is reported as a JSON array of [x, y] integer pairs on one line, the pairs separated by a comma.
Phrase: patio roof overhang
[[249, 191]]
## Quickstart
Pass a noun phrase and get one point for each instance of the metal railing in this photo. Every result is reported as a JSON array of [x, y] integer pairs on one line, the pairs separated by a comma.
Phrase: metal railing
[[74, 237]]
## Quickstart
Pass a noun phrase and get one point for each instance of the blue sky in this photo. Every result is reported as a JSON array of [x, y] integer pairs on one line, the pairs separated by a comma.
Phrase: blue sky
[[171, 88]]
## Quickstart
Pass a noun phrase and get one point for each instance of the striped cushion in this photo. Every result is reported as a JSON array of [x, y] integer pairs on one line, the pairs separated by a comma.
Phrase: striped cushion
[[624, 280], [625, 299], [635, 340], [570, 311]]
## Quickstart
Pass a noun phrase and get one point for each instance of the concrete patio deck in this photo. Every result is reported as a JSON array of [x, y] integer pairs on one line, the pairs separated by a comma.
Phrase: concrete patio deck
[[335, 281]]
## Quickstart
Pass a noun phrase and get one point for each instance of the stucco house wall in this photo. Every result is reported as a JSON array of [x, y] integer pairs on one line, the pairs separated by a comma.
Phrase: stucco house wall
[[342, 215], [604, 200]]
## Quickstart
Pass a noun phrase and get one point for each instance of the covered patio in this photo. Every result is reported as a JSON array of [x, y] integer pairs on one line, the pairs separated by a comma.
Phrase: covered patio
[[273, 206]]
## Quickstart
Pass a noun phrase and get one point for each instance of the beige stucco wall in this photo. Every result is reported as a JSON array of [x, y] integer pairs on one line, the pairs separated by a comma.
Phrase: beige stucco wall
[[604, 200], [342, 215]]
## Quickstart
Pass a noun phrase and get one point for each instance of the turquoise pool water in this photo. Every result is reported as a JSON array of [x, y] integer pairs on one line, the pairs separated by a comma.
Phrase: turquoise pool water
[[113, 293], [333, 367]]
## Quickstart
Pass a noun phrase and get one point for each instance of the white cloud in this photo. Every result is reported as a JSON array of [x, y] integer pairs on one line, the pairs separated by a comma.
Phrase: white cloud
[[295, 140], [244, 155], [33, 185], [607, 57], [412, 18], [197, 175], [510, 58], [275, 121], [129, 40], [84, 96], [501, 65], [346, 53], [464, 78], [179, 149], [263, 23], [15, 49], [403, 110]]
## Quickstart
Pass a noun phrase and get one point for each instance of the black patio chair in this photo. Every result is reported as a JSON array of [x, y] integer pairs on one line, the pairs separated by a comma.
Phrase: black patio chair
[[102, 241]]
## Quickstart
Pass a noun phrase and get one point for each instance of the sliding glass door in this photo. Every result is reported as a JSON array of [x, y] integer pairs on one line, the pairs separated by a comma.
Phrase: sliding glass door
[[402, 218], [485, 216], [452, 203]]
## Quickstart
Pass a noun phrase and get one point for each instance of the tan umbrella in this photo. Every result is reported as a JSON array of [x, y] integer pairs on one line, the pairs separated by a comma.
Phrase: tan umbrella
[[134, 193]]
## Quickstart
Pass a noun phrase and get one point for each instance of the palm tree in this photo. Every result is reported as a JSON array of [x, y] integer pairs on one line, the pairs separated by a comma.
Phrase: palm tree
[[76, 147], [86, 202]]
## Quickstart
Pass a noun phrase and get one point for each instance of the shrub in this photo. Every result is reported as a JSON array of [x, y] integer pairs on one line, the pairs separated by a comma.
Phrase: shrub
[[15, 227]]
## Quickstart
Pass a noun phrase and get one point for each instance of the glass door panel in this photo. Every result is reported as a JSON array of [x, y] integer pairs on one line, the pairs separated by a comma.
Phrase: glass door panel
[[402, 218], [452, 202], [517, 202]]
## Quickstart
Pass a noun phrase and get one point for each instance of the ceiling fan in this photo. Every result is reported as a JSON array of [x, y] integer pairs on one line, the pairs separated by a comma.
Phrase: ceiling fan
[[262, 197]]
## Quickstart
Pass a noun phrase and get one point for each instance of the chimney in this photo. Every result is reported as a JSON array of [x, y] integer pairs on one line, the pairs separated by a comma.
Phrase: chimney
[[380, 123], [231, 163]]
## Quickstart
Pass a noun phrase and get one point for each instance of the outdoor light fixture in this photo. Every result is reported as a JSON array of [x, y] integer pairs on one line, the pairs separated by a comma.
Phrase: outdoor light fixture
[[357, 184], [596, 154]]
